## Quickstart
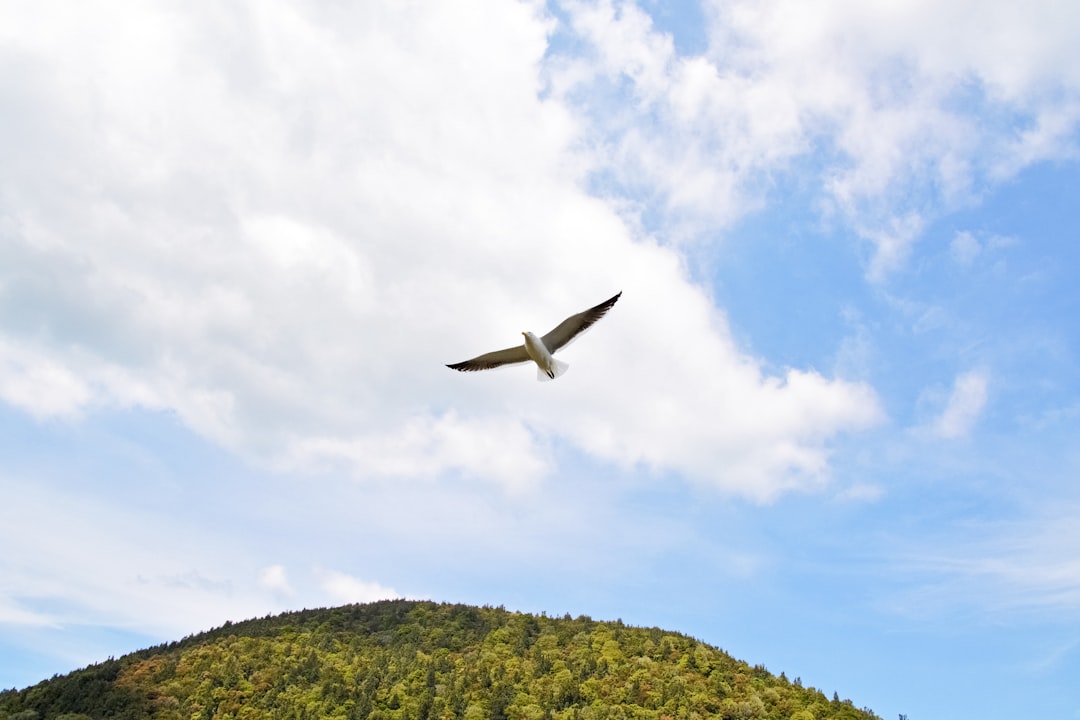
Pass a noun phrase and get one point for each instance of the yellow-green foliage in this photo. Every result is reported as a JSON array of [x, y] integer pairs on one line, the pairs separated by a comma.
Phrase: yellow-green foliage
[[403, 660]]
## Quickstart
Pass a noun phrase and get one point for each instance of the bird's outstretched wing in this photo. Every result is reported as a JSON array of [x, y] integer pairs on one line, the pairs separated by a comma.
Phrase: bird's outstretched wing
[[574, 325], [509, 356]]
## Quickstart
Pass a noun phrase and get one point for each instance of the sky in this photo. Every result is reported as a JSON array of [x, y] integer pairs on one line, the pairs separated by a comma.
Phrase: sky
[[832, 426]]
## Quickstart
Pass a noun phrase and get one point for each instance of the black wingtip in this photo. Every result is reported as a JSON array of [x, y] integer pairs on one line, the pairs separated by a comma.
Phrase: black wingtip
[[608, 304]]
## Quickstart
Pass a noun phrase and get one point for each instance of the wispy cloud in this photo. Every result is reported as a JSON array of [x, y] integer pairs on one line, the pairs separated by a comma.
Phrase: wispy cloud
[[98, 564], [964, 406], [12, 613], [964, 248], [1004, 568]]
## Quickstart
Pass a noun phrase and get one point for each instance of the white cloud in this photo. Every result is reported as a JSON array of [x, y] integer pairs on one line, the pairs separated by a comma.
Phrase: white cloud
[[276, 579], [39, 385], [283, 242], [344, 588], [487, 449], [893, 242], [897, 111], [965, 405]]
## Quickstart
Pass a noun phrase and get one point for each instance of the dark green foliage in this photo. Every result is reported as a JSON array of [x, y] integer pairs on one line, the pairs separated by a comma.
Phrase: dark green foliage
[[404, 660]]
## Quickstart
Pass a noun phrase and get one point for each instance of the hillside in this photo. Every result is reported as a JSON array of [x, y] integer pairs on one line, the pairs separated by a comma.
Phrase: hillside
[[405, 660]]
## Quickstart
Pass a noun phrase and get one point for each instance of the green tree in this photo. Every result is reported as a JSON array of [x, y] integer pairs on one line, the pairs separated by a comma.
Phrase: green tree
[[401, 660]]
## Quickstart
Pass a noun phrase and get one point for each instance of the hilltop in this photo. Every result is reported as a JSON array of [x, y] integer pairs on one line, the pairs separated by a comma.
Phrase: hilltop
[[407, 660]]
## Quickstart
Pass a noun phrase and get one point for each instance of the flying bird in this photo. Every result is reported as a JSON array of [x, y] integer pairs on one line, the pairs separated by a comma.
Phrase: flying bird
[[540, 349]]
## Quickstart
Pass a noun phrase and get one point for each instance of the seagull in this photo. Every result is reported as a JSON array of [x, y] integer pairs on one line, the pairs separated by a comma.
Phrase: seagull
[[540, 349]]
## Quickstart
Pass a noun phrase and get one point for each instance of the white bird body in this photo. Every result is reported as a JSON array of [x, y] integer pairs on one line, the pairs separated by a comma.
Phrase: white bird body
[[547, 367], [540, 349]]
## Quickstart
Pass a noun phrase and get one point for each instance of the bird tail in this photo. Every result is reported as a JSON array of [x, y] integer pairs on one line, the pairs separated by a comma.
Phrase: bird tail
[[558, 367]]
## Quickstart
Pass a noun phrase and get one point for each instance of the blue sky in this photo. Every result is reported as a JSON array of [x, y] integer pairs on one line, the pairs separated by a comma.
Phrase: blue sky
[[830, 427]]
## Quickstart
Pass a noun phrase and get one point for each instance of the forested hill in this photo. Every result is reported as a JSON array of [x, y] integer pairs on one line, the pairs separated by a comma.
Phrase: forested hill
[[404, 660]]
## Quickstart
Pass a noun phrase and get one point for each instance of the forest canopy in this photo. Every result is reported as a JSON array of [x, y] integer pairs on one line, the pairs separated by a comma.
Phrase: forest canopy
[[408, 660]]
